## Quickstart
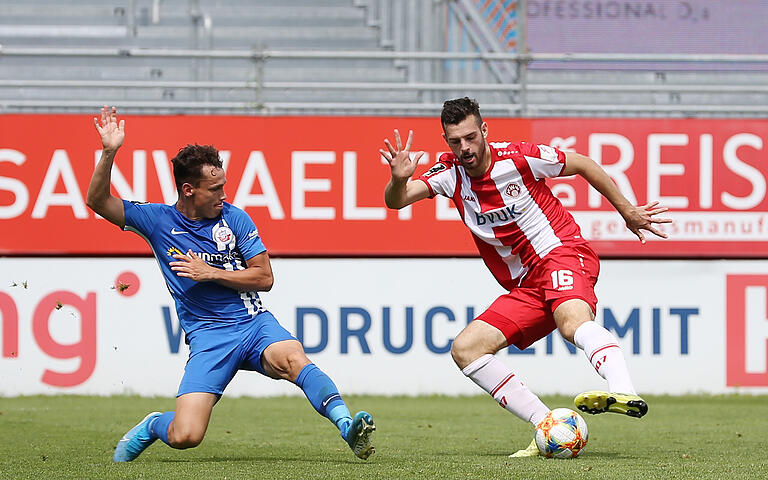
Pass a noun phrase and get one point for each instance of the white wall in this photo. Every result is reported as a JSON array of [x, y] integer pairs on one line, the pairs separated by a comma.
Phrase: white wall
[[694, 326]]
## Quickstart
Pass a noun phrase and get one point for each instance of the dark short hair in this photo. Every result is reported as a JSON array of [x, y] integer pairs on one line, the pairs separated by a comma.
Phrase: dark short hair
[[455, 111], [188, 162]]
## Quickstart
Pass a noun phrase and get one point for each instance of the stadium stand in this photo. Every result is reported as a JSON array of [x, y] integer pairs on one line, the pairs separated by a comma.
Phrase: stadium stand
[[137, 51], [336, 57]]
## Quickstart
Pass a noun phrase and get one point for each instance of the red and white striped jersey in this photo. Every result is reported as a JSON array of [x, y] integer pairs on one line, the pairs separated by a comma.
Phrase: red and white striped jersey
[[514, 218]]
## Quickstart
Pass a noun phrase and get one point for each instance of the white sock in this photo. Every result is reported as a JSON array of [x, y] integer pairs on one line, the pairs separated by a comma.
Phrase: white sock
[[603, 352], [493, 376]]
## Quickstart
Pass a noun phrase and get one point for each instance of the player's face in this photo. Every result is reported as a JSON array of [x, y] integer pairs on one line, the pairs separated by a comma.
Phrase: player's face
[[467, 141], [209, 196]]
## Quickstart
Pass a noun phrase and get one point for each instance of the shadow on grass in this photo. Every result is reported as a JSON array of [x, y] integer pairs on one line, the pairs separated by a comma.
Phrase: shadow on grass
[[265, 459], [582, 457]]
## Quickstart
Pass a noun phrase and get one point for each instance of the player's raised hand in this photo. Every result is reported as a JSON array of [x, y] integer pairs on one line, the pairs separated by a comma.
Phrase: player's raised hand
[[112, 133], [643, 217], [399, 157]]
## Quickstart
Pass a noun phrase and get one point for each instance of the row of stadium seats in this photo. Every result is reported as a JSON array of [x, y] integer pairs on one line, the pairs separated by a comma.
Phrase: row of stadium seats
[[234, 25], [319, 56]]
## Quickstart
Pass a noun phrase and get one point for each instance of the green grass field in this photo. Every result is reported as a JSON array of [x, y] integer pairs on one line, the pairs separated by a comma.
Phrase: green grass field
[[699, 437]]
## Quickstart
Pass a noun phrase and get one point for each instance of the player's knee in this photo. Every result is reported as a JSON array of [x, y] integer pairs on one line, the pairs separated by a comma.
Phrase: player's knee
[[182, 438], [295, 361], [289, 365], [570, 315], [567, 328], [187, 441], [462, 351]]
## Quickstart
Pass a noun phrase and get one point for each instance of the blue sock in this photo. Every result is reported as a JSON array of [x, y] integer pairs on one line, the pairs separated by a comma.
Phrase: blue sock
[[159, 426], [342, 419], [324, 396]]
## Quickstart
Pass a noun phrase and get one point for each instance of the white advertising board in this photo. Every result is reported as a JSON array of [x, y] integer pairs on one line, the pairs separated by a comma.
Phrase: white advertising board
[[379, 326]]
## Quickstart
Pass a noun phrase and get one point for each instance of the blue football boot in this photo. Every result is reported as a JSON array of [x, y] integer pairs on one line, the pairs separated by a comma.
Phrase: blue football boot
[[136, 440], [359, 435]]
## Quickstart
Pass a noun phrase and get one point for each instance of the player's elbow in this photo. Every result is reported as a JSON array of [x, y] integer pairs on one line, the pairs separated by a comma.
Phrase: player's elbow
[[266, 283], [101, 206], [394, 205], [94, 202], [90, 199], [396, 202], [396, 195]]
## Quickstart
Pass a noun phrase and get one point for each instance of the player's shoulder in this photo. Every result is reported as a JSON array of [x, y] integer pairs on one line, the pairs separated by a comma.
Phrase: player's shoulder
[[147, 205], [435, 169], [448, 158], [232, 210], [528, 149], [240, 222], [506, 149], [232, 213], [139, 203], [445, 162]]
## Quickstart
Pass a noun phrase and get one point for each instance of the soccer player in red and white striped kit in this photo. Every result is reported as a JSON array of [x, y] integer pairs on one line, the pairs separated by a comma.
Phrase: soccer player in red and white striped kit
[[534, 249]]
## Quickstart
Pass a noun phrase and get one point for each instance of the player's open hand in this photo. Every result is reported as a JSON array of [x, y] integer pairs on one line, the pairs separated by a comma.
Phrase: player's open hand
[[399, 157], [191, 266], [112, 133], [643, 217]]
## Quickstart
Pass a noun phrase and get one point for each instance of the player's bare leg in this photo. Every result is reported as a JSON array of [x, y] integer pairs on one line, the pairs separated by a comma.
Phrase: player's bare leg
[[188, 426], [184, 428], [574, 319]]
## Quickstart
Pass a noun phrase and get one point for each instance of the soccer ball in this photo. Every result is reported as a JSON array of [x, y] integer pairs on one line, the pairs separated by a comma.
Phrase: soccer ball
[[562, 434]]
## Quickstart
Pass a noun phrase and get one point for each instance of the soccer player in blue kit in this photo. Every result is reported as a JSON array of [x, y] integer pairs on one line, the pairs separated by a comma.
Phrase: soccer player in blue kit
[[214, 263]]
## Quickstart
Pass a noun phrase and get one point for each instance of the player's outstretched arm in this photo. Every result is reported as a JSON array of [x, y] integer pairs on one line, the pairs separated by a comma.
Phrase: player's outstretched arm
[[401, 191], [99, 198], [638, 218]]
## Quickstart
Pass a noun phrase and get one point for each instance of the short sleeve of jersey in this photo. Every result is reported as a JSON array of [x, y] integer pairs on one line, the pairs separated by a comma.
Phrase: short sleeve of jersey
[[248, 240], [440, 178], [545, 161], [141, 216]]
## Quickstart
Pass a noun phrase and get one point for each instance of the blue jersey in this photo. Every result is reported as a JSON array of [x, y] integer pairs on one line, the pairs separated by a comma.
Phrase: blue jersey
[[225, 242]]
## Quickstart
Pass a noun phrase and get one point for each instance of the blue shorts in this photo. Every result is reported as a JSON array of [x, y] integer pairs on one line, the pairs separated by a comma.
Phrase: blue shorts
[[218, 350]]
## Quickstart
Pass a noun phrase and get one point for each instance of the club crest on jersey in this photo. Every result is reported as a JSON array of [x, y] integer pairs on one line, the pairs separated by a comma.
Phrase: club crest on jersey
[[513, 190], [438, 167], [223, 235]]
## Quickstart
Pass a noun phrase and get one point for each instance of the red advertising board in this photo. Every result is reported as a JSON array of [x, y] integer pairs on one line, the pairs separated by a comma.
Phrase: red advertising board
[[746, 336], [710, 173], [314, 185]]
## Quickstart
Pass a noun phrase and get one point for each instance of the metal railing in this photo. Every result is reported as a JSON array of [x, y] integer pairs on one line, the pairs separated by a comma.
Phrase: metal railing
[[425, 67], [260, 87]]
